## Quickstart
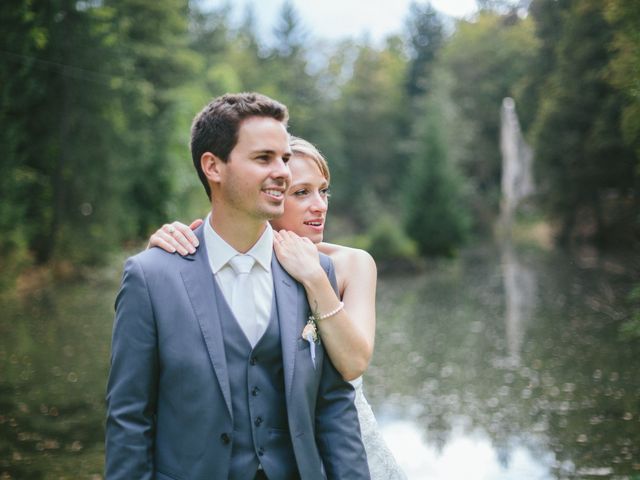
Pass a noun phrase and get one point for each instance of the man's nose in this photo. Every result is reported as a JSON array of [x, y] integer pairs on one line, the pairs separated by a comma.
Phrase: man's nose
[[281, 170]]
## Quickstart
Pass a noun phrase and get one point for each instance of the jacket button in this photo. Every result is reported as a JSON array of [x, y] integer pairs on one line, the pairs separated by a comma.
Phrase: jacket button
[[258, 421], [253, 360], [255, 391], [225, 438], [261, 451]]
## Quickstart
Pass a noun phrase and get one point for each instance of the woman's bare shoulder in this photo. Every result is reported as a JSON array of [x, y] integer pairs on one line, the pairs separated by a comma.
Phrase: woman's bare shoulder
[[348, 258]]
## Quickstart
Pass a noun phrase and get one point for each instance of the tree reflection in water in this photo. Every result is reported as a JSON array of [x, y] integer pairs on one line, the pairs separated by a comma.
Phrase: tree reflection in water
[[464, 385], [54, 353], [553, 383]]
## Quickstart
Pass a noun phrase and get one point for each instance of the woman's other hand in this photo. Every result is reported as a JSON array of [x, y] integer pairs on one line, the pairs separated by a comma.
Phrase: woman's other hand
[[176, 237], [298, 256]]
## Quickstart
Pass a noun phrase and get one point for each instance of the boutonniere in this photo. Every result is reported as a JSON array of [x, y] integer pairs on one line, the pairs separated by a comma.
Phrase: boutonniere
[[310, 334], [310, 330]]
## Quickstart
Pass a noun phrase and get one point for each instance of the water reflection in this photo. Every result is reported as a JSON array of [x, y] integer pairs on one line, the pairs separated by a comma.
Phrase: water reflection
[[520, 288], [54, 347], [473, 353], [466, 455], [496, 366]]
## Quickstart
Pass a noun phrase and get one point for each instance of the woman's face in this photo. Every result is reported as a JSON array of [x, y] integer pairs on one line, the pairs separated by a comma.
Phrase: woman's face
[[306, 200]]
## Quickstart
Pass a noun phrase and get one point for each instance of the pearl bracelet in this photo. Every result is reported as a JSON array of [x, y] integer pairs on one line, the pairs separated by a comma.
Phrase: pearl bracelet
[[317, 318]]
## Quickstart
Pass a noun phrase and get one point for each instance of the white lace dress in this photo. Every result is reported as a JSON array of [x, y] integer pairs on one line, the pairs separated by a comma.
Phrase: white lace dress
[[382, 465]]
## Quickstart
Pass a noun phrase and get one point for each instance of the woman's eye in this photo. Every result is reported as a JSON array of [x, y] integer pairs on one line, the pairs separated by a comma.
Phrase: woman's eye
[[325, 192], [300, 193]]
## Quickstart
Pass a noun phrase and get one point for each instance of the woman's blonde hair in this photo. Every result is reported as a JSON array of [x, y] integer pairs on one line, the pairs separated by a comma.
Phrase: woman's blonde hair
[[301, 147]]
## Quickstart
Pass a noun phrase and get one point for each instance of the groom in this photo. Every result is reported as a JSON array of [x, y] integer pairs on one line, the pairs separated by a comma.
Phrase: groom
[[210, 378]]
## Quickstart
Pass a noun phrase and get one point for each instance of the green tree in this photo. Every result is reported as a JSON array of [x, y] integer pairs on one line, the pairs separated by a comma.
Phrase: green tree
[[57, 99], [425, 39], [89, 140], [370, 115], [288, 77], [582, 162], [437, 218], [547, 16], [624, 67], [153, 45]]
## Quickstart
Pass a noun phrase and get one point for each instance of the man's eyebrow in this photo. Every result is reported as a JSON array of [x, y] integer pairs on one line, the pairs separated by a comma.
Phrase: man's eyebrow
[[262, 152]]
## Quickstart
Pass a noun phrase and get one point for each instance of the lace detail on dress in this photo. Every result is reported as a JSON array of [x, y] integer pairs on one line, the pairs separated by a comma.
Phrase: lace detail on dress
[[382, 465]]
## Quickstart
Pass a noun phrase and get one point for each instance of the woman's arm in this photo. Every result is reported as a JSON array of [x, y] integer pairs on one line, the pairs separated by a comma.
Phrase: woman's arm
[[348, 336]]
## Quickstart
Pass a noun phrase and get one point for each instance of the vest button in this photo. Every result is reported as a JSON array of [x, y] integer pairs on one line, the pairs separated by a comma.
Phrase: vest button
[[255, 391], [225, 438], [258, 421], [253, 360], [261, 451]]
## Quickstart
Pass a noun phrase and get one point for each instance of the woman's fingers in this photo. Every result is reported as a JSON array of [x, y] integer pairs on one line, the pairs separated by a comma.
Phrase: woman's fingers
[[195, 224], [177, 234], [184, 234], [163, 240], [167, 245]]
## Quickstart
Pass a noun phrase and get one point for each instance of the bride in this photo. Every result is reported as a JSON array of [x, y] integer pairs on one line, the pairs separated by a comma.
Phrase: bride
[[348, 334]]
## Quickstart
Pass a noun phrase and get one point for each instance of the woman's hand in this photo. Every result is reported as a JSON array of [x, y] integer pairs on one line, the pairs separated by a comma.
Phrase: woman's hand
[[298, 255], [176, 237]]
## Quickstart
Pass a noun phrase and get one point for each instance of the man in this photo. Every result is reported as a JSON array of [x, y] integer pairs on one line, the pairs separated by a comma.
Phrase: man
[[210, 378]]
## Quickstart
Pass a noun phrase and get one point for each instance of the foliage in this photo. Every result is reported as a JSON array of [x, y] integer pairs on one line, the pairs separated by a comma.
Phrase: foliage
[[96, 100], [88, 142], [487, 59], [386, 241], [370, 115], [624, 67], [436, 215], [425, 40], [630, 329], [582, 163]]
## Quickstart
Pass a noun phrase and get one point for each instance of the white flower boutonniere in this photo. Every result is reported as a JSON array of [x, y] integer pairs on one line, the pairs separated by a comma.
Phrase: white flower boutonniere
[[310, 334]]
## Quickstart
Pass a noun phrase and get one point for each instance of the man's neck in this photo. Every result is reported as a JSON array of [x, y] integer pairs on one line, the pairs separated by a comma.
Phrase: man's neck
[[240, 233]]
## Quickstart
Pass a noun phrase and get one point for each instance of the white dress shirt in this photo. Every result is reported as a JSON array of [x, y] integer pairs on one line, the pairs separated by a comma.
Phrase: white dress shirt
[[220, 252]]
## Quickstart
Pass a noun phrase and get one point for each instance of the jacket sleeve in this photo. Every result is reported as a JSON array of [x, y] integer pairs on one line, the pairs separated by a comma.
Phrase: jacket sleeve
[[337, 427], [133, 378]]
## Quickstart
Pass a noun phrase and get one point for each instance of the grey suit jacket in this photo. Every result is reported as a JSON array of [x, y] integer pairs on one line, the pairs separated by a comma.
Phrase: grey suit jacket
[[169, 412]]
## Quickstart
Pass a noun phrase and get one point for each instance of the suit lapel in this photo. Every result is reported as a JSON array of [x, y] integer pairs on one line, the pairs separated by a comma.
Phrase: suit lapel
[[291, 308], [200, 284]]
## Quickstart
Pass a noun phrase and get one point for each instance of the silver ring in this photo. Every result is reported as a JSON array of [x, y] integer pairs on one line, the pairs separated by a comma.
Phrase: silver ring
[[171, 229]]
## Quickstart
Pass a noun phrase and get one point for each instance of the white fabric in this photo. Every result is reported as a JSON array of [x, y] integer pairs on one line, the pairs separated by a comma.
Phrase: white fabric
[[243, 304], [382, 464], [220, 253]]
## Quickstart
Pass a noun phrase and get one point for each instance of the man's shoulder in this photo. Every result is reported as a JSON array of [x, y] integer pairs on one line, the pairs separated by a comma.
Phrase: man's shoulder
[[155, 260]]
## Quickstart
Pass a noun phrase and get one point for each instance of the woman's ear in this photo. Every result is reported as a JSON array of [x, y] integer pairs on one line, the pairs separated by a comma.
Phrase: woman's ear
[[211, 166]]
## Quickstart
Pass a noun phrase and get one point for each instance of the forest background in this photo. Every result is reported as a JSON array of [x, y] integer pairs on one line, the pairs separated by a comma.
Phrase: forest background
[[97, 97]]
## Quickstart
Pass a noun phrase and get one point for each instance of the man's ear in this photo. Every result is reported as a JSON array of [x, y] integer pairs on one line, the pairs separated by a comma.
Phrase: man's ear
[[211, 166]]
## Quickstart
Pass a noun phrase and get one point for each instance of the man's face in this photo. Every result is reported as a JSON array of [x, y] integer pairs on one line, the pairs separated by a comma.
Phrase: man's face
[[256, 175]]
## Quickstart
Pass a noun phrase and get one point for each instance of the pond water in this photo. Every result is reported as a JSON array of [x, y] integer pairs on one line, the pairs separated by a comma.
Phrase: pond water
[[499, 365]]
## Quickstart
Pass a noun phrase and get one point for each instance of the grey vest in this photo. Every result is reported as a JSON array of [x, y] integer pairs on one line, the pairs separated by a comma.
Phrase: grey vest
[[256, 377]]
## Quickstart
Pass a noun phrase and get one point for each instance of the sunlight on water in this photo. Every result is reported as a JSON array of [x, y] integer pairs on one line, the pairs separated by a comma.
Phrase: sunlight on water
[[464, 456]]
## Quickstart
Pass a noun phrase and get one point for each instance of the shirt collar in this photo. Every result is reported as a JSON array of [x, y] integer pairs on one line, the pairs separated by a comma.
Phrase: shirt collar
[[220, 252]]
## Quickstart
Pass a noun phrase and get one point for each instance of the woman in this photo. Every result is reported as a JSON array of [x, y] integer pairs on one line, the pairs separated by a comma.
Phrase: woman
[[347, 332]]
